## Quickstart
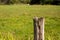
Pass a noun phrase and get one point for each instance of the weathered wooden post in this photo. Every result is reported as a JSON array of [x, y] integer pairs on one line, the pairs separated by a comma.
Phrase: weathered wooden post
[[38, 28]]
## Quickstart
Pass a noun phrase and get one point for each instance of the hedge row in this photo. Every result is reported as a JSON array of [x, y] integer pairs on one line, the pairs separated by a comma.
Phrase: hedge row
[[30, 2]]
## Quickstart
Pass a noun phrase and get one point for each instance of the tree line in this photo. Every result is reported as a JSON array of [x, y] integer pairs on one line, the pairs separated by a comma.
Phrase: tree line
[[54, 2]]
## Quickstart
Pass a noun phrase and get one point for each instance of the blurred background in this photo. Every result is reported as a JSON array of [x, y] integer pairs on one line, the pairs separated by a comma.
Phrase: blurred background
[[53, 2]]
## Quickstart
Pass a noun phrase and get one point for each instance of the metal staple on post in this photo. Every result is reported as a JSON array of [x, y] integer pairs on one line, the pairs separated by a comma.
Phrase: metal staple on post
[[38, 28]]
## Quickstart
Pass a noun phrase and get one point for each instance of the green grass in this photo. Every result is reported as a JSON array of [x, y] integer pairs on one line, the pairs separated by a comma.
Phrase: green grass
[[16, 21]]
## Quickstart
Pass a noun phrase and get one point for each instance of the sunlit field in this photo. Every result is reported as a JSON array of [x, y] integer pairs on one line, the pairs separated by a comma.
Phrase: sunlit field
[[16, 21]]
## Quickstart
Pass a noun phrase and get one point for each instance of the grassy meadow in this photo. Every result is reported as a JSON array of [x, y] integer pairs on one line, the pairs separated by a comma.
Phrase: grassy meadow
[[16, 21]]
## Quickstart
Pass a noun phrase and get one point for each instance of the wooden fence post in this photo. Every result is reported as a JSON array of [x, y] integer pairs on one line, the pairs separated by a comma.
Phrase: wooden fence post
[[38, 28]]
